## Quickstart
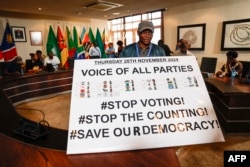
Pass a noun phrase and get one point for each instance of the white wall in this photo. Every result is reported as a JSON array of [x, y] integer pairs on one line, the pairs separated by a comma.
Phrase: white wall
[[213, 13], [25, 48]]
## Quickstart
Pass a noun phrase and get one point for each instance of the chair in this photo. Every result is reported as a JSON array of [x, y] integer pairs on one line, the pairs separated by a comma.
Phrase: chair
[[28, 64], [2, 67], [208, 64], [246, 68]]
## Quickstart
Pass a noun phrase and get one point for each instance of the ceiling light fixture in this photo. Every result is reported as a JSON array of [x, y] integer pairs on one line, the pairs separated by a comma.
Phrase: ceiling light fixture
[[116, 13], [103, 6]]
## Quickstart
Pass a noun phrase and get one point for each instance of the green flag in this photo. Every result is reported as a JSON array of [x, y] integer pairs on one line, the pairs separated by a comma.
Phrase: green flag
[[52, 45], [91, 35], [78, 45], [100, 43]]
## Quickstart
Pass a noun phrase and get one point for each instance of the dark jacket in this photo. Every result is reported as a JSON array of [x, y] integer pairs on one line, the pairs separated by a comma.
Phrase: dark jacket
[[30, 64]]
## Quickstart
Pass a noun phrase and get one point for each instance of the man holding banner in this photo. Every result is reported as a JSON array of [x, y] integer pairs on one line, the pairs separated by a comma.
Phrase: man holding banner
[[144, 47], [135, 103]]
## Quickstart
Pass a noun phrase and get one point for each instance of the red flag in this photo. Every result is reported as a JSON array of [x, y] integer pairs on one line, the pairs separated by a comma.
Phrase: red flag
[[1, 56], [62, 47], [8, 46], [86, 38]]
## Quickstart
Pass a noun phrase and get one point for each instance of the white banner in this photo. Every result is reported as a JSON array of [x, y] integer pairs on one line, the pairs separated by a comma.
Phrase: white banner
[[139, 103]]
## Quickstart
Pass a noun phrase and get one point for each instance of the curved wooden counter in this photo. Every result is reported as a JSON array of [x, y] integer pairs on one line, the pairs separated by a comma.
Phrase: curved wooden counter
[[18, 154], [51, 149], [30, 86], [231, 103]]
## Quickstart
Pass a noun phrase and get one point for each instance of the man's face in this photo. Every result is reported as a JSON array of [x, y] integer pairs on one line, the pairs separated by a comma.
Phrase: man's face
[[145, 37], [36, 57], [50, 55]]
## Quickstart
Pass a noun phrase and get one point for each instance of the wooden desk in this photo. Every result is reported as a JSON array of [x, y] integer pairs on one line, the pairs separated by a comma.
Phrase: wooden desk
[[18, 151], [31, 86], [231, 102]]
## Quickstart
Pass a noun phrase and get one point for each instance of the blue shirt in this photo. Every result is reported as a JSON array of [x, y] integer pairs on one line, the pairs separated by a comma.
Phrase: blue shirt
[[112, 55]]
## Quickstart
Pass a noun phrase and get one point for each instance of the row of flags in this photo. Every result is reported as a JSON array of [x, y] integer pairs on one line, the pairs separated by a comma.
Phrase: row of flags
[[64, 45], [72, 46]]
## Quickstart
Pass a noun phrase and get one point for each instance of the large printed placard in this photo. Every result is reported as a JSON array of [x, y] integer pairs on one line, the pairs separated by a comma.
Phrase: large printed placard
[[139, 103]]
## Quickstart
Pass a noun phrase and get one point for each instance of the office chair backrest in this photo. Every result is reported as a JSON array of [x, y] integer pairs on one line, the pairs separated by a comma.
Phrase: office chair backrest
[[246, 67], [208, 64]]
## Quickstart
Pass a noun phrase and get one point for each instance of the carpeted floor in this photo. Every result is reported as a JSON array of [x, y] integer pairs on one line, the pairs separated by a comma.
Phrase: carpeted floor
[[56, 109], [211, 155]]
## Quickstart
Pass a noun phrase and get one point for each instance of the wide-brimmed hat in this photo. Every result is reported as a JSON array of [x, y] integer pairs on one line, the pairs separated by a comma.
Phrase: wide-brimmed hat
[[145, 25]]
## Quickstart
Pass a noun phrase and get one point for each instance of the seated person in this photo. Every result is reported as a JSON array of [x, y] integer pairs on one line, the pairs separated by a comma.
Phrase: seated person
[[166, 48], [110, 51], [94, 51], [40, 56], [51, 62], [232, 65], [182, 47], [1, 73], [14, 67], [2, 67], [34, 64]]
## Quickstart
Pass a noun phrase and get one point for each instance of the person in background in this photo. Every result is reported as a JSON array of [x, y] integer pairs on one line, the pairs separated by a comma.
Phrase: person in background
[[182, 48], [1, 73], [110, 51], [120, 47], [232, 65], [94, 51], [14, 67], [53, 60], [34, 64], [81, 56], [144, 47], [39, 53], [165, 47], [247, 76]]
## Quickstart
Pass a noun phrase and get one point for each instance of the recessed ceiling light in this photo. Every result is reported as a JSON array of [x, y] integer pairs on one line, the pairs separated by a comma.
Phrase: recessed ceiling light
[[116, 13], [40, 9]]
